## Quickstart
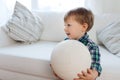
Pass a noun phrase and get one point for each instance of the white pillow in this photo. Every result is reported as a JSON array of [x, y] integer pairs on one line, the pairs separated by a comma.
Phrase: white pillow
[[101, 21], [5, 40], [53, 26], [118, 54], [24, 26], [110, 37]]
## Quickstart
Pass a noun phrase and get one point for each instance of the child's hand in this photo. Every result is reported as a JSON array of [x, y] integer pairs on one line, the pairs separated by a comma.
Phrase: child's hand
[[55, 73], [91, 74]]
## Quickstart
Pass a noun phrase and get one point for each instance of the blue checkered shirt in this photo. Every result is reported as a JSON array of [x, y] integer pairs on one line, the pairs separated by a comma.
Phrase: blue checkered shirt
[[94, 51]]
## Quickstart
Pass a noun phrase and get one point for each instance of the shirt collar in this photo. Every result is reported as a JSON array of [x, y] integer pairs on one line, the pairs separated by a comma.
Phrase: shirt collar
[[84, 39]]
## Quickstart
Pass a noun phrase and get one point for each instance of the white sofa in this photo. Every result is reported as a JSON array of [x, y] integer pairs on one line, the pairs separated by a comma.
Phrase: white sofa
[[31, 61]]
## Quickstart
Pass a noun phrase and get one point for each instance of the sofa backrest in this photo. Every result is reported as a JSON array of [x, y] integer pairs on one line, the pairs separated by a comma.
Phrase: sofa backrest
[[54, 25]]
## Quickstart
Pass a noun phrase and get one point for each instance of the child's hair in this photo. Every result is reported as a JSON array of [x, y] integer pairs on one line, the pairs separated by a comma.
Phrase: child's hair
[[81, 15]]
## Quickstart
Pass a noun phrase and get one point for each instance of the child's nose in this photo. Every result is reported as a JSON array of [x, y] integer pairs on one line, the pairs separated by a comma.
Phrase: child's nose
[[65, 29]]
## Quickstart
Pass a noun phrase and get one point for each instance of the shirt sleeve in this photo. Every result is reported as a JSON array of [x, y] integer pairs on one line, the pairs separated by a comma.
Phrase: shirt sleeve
[[94, 50]]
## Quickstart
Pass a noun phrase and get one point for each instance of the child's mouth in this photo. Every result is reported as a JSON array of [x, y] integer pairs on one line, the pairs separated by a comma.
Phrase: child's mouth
[[68, 34]]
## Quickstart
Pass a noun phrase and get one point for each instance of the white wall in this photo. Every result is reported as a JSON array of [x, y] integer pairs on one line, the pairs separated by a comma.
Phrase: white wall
[[111, 6], [3, 12], [94, 5], [6, 11], [104, 6]]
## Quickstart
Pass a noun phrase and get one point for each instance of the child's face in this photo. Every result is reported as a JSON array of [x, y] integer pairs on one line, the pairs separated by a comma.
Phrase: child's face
[[73, 29]]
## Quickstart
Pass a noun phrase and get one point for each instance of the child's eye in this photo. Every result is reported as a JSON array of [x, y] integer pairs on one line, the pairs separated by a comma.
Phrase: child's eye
[[68, 25]]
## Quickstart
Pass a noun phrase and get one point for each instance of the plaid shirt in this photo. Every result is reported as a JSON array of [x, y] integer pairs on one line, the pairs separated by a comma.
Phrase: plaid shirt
[[94, 51]]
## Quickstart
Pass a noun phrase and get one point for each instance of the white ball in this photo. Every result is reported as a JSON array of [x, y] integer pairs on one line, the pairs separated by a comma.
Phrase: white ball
[[69, 58]]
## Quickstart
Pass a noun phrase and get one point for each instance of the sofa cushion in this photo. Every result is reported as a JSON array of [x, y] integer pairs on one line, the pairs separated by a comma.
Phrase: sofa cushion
[[32, 59], [110, 37], [110, 65], [24, 26]]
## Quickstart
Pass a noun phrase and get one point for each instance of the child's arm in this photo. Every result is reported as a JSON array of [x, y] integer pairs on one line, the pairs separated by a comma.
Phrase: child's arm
[[91, 74]]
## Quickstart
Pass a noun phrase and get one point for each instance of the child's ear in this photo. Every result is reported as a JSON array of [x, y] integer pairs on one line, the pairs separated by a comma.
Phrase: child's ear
[[85, 26]]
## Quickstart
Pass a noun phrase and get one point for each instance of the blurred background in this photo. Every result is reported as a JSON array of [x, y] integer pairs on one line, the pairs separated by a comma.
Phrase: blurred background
[[97, 6]]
